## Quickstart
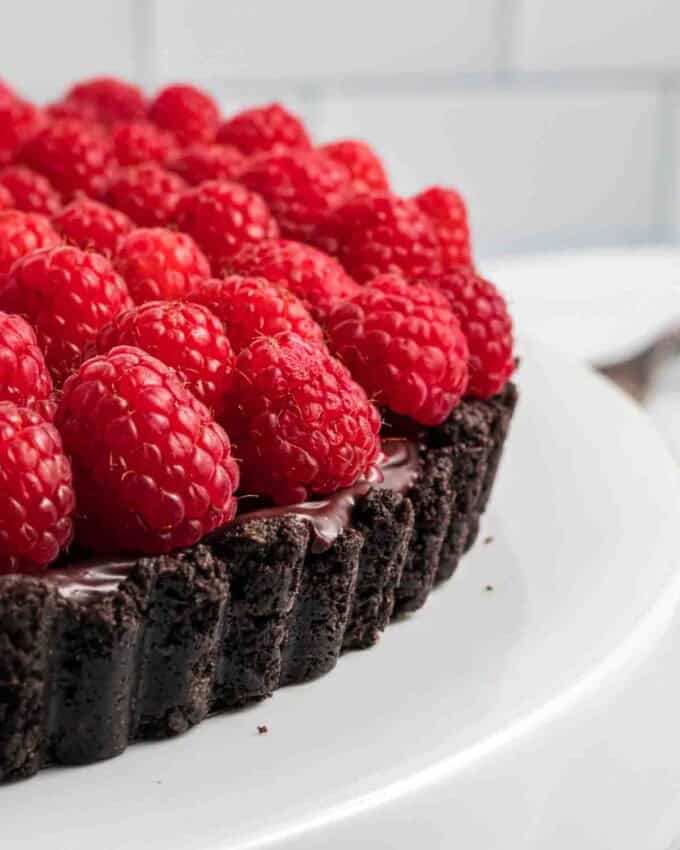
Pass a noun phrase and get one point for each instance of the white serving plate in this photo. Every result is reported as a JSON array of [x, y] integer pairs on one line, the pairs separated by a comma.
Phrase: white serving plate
[[542, 713], [603, 306]]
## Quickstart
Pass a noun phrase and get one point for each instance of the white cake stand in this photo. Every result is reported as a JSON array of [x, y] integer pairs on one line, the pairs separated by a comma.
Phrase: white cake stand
[[533, 703]]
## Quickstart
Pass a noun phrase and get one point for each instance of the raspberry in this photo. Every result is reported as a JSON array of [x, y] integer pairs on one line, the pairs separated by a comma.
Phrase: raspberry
[[21, 233], [300, 422], [160, 264], [264, 129], [36, 491], [485, 320], [6, 199], [19, 122], [187, 337], [92, 226], [105, 99], [223, 216], [300, 187], [446, 210], [153, 470], [404, 345], [251, 307], [31, 191], [317, 279], [74, 156], [189, 113], [135, 142], [146, 192], [24, 377], [362, 162], [67, 295], [382, 233], [7, 93], [199, 163]]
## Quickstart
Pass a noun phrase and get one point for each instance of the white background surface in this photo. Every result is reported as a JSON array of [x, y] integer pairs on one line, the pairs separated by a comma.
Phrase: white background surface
[[559, 119], [538, 715]]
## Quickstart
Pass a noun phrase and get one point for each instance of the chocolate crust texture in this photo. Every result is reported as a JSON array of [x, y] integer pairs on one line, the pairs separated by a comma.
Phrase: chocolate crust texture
[[102, 654]]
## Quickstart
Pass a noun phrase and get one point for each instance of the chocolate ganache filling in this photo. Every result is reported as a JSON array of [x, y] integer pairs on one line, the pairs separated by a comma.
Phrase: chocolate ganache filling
[[327, 516]]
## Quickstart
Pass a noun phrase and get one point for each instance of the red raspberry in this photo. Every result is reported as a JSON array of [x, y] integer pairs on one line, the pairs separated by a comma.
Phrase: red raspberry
[[21, 233], [300, 187], [36, 491], [146, 192], [446, 210], [199, 163], [251, 307], [264, 129], [92, 226], [317, 279], [362, 162], [19, 122], [24, 377], [187, 337], [67, 295], [404, 345], [160, 264], [31, 191], [153, 470], [189, 113], [105, 99], [6, 199], [74, 156], [222, 217], [135, 142], [486, 322], [301, 423], [382, 233]]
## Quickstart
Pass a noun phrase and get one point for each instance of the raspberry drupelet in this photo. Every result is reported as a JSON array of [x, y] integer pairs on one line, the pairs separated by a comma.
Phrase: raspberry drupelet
[[6, 199], [299, 422], [403, 344], [153, 471]]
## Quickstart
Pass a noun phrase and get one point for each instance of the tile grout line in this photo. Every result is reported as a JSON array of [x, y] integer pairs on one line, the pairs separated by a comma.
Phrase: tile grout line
[[144, 20], [665, 176]]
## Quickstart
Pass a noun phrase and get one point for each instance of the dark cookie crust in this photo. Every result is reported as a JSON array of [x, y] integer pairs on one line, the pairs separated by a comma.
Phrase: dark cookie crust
[[85, 671]]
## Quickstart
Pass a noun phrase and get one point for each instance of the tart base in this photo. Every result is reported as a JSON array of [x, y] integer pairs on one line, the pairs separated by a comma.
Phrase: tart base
[[146, 649]]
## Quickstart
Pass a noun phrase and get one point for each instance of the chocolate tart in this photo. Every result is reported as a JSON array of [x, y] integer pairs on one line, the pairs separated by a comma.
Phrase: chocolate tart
[[106, 652]]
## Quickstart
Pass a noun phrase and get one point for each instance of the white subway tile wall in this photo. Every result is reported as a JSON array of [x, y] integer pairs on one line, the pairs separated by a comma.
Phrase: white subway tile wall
[[559, 119]]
